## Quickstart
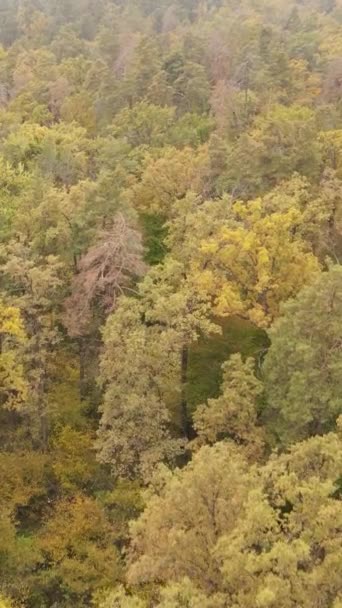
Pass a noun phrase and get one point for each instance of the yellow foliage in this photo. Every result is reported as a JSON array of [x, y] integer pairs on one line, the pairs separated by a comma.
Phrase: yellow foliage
[[168, 178], [22, 477], [254, 261], [5, 603], [74, 464], [78, 541], [305, 84], [12, 336]]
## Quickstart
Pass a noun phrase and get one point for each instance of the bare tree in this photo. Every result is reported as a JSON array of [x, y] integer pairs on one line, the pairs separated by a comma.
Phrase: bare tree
[[105, 271]]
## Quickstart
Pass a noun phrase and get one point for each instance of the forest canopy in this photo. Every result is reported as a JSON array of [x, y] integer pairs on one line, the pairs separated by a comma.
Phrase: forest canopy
[[170, 303]]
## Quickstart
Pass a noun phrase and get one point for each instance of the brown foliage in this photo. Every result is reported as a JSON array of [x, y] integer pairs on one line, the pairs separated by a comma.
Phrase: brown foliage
[[104, 272]]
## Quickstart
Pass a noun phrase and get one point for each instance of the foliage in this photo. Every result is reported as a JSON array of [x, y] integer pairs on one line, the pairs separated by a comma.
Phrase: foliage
[[234, 413], [12, 335], [302, 368], [77, 543], [170, 248], [280, 546]]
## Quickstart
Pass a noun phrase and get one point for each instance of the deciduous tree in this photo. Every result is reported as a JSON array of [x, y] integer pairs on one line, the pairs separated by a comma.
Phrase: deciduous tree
[[302, 368]]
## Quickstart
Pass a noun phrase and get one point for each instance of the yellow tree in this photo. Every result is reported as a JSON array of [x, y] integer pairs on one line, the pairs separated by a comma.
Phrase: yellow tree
[[13, 388], [247, 257], [78, 547], [168, 178], [5, 603], [264, 536]]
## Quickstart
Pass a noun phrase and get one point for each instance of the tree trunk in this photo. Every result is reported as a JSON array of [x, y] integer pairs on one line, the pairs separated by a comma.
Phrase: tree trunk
[[82, 362], [184, 404]]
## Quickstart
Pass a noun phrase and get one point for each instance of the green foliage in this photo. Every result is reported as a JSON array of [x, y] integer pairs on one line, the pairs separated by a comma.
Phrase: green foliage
[[208, 495], [303, 366], [74, 466], [154, 232], [144, 124], [177, 595], [209, 353], [137, 376], [234, 413], [170, 181], [119, 599]]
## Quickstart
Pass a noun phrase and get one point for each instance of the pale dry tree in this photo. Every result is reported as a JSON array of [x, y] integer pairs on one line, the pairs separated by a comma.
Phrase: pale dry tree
[[105, 271]]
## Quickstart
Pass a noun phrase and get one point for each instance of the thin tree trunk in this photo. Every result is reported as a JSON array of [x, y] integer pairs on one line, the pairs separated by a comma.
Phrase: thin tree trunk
[[44, 431], [82, 363], [184, 377]]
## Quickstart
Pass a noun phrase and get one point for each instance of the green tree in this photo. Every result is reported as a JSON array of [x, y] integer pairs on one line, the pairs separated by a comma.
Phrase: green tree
[[302, 369], [234, 413], [35, 286], [144, 369], [177, 595], [137, 367], [143, 124], [169, 178], [282, 142]]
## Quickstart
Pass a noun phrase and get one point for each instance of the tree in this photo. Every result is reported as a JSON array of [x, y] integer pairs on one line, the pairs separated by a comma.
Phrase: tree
[[35, 288], [136, 368], [14, 183], [302, 369], [177, 533], [13, 386], [247, 258], [202, 137], [67, 44], [331, 141], [160, 92], [246, 536], [120, 599], [144, 370], [143, 124], [234, 413], [79, 108], [321, 224], [169, 178], [104, 272], [77, 545], [182, 314], [143, 68], [60, 153], [177, 595], [192, 88], [23, 476], [280, 143], [185, 595], [74, 463], [4, 603], [286, 550]]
